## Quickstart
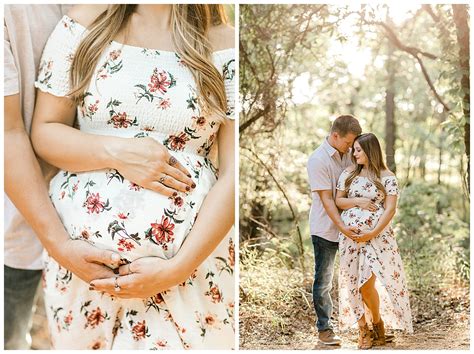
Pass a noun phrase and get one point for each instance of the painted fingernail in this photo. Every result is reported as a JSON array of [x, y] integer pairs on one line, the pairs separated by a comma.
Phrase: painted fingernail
[[91, 288], [116, 271], [175, 194], [193, 185], [187, 188], [189, 175]]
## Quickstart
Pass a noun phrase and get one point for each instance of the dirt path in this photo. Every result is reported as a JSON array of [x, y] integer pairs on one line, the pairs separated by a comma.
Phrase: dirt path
[[431, 335], [441, 321]]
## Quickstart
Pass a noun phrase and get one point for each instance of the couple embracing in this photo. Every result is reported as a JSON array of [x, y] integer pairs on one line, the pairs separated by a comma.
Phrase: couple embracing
[[134, 106], [354, 198]]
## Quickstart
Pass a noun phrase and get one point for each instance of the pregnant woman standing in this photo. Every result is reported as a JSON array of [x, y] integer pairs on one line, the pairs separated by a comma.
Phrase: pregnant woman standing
[[163, 74], [372, 282]]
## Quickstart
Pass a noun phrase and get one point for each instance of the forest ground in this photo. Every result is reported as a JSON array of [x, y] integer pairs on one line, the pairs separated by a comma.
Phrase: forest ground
[[440, 319]]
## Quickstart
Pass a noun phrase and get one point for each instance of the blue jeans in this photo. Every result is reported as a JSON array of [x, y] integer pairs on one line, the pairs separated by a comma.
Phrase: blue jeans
[[324, 256], [20, 290]]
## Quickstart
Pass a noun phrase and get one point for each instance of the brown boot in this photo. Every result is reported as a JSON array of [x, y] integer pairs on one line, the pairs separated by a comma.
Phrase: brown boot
[[379, 333], [365, 340], [328, 337]]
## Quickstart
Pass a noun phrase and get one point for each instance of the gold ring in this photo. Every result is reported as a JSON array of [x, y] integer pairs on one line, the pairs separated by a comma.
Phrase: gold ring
[[117, 287], [172, 161]]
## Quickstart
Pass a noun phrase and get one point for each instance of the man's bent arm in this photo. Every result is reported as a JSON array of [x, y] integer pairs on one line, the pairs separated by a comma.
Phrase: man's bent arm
[[330, 206], [333, 212], [26, 188], [24, 181]]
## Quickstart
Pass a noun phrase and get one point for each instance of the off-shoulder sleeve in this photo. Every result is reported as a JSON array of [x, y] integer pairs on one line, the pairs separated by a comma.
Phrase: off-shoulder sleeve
[[55, 64], [391, 185], [225, 61], [341, 182]]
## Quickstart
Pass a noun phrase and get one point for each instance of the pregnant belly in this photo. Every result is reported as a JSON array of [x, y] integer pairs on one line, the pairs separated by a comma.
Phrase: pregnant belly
[[113, 213], [365, 220]]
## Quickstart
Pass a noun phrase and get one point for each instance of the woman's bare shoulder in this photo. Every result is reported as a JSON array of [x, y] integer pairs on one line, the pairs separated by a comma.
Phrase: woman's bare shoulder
[[222, 37], [86, 14], [350, 169], [386, 173]]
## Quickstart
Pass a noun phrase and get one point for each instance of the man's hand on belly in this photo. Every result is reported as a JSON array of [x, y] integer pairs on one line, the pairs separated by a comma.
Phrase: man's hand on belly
[[85, 260]]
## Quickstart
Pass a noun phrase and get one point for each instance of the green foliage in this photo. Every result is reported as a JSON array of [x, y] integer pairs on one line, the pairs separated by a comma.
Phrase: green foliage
[[433, 233], [295, 78], [269, 289]]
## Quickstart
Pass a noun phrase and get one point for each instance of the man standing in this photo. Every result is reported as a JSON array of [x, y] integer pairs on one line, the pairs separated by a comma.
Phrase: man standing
[[325, 165], [31, 221]]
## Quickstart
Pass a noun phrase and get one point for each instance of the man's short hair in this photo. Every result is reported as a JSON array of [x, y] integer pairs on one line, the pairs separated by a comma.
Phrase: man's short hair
[[346, 124]]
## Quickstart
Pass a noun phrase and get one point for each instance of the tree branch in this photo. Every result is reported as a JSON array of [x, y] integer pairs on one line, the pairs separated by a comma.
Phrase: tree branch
[[295, 218], [430, 83], [414, 52], [259, 114], [430, 11], [396, 41], [265, 227]]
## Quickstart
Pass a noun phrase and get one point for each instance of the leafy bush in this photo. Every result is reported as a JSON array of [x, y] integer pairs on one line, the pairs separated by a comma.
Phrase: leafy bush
[[433, 233]]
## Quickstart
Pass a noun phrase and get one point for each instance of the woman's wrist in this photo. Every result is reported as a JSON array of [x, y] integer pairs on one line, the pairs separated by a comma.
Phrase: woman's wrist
[[112, 149], [182, 266], [357, 202]]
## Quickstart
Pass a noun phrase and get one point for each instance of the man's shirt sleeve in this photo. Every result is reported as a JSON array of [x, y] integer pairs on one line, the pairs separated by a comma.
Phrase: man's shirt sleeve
[[319, 176], [11, 85]]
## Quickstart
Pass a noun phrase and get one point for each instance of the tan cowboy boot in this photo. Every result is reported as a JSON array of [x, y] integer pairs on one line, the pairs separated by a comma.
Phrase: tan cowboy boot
[[365, 340], [379, 333]]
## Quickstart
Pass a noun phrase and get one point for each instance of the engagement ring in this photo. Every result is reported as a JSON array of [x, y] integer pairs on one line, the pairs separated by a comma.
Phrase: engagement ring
[[172, 161], [117, 287]]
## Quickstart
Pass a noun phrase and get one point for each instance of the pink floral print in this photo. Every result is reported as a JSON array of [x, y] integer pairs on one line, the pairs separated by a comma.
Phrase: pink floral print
[[95, 204], [136, 93], [379, 256]]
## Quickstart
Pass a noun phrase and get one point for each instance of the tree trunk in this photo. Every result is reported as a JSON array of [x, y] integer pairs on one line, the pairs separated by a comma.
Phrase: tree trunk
[[440, 157], [409, 161], [390, 113], [422, 164], [460, 15]]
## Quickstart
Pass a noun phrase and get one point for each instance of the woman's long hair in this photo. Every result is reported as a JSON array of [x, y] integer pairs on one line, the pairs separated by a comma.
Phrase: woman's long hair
[[190, 27], [376, 164]]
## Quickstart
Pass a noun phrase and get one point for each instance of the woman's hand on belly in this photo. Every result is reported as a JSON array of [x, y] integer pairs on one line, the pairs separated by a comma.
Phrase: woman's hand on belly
[[144, 277], [365, 236], [149, 164], [366, 204]]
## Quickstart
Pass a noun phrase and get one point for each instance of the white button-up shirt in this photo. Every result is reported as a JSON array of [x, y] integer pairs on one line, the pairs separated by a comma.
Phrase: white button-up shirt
[[324, 167]]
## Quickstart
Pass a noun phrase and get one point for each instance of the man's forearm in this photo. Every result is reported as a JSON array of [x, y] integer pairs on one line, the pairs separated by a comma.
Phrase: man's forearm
[[347, 203], [332, 211], [84, 152], [26, 188]]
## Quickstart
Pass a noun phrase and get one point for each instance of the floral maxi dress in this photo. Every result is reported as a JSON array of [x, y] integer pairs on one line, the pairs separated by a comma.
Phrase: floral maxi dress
[[379, 256], [135, 93]]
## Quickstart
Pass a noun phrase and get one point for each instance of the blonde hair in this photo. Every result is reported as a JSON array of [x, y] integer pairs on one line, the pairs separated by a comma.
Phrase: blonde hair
[[190, 24], [376, 164]]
